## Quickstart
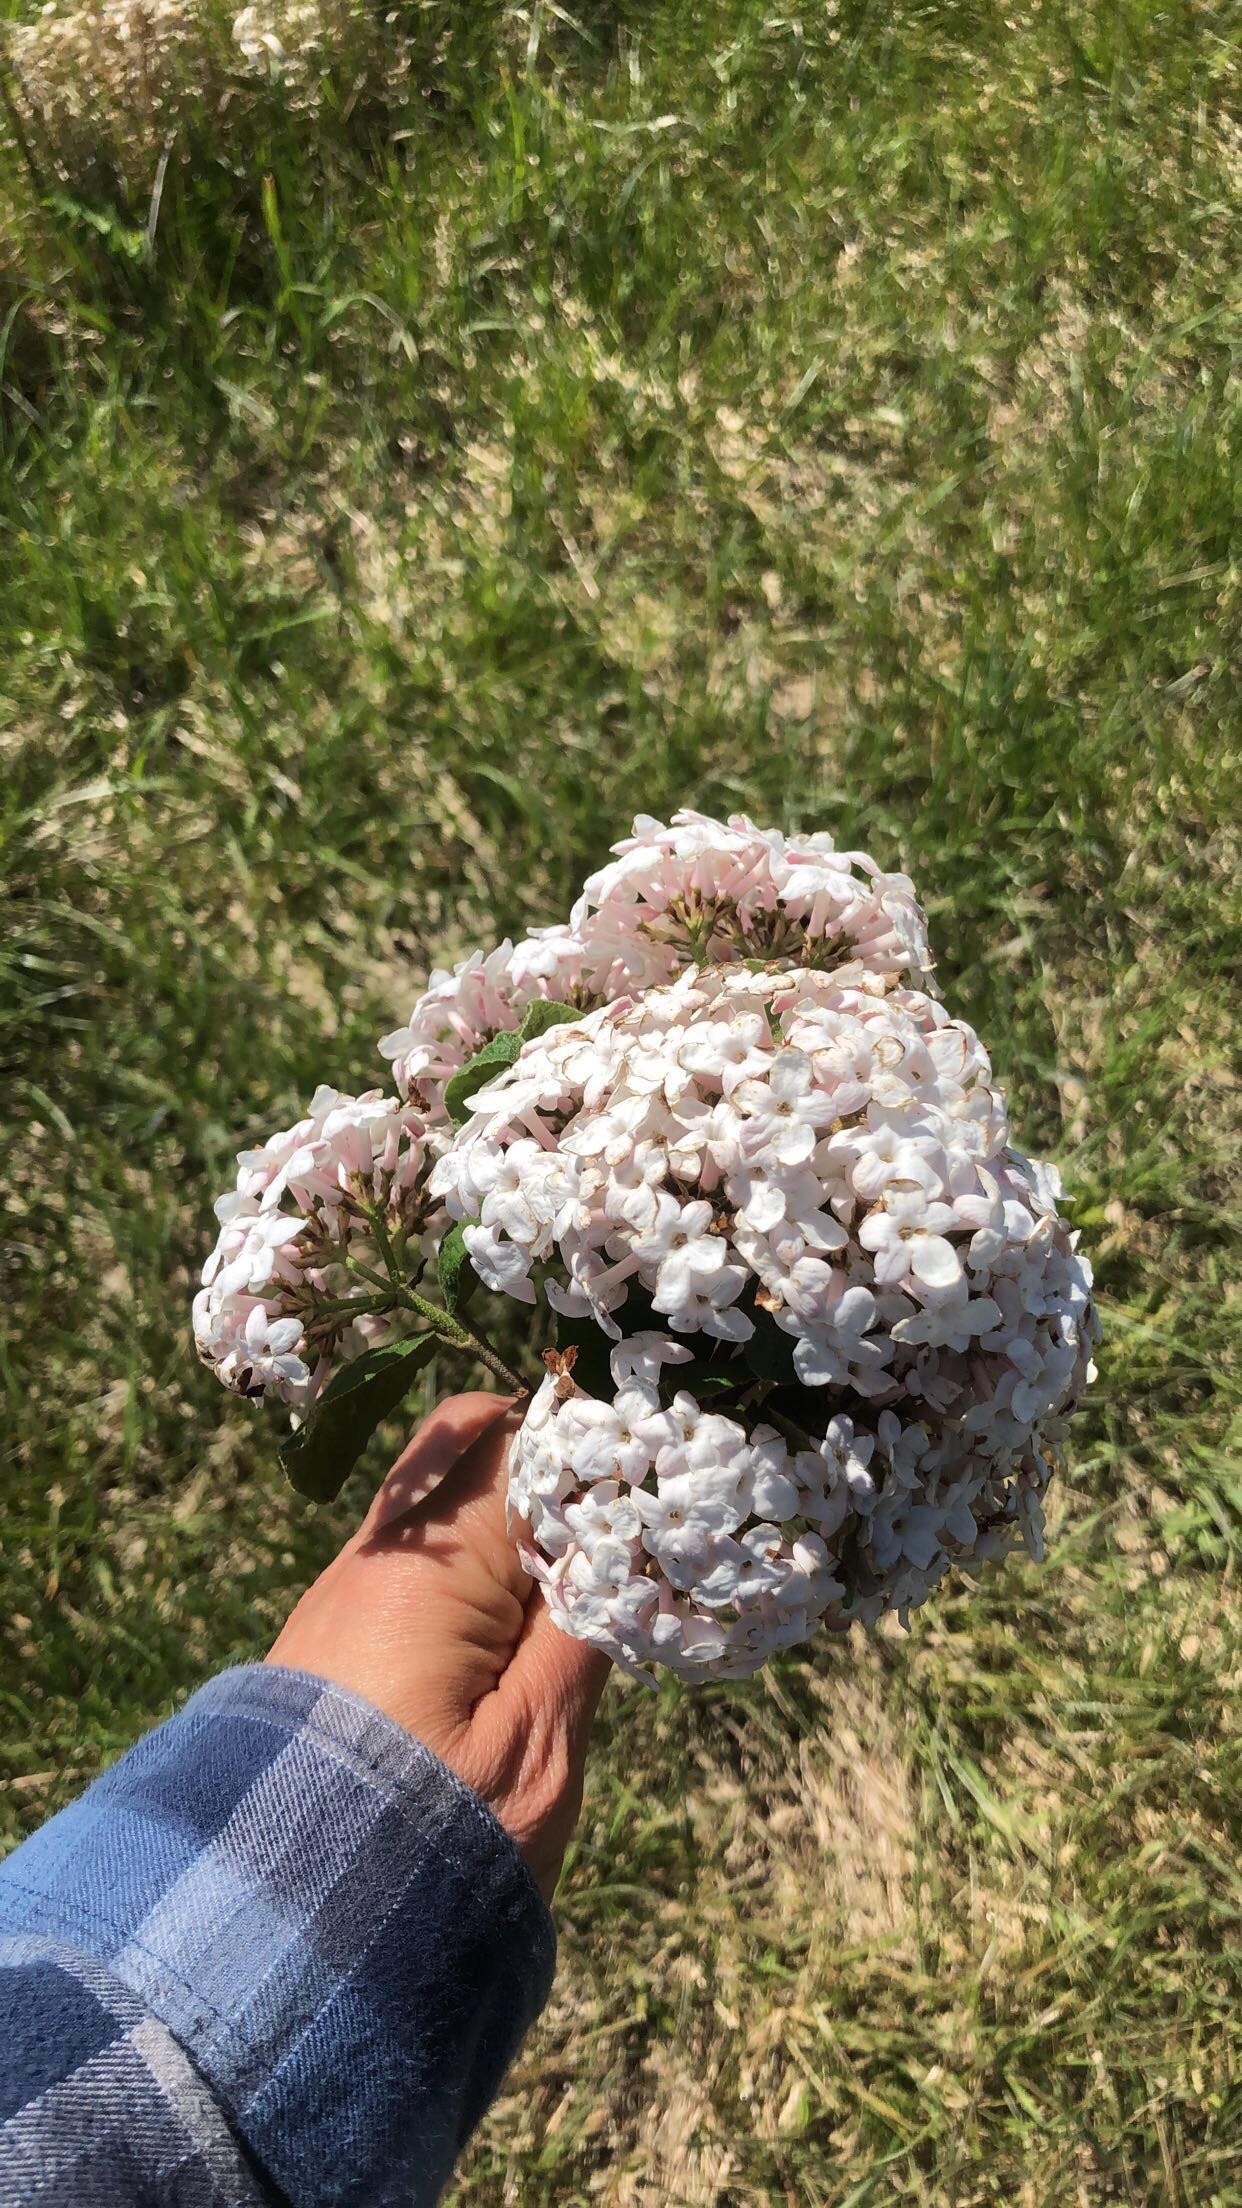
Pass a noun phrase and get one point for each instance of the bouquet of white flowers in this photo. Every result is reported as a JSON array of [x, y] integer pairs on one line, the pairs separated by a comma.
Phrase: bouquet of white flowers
[[814, 1326]]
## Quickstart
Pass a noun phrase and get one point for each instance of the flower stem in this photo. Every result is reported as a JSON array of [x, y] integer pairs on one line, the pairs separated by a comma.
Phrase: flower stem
[[397, 1290], [375, 1217], [390, 1286], [351, 1306], [458, 1336]]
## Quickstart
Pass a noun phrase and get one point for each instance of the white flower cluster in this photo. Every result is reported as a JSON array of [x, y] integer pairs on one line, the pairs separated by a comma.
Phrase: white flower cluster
[[462, 1008], [758, 1155], [665, 1531], [699, 891], [278, 1307], [702, 893], [812, 1166]]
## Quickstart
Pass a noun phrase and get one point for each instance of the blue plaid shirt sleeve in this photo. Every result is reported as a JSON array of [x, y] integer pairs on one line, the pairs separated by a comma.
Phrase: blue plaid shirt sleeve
[[278, 1953]]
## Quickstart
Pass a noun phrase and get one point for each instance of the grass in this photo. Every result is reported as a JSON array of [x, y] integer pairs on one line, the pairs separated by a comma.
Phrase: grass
[[826, 412]]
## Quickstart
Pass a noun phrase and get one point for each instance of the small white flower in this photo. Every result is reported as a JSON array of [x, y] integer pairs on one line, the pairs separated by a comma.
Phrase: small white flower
[[683, 1521], [906, 1234], [644, 1357], [951, 1324], [771, 1486], [500, 1264], [614, 1439], [679, 1252], [783, 1114], [606, 1514]]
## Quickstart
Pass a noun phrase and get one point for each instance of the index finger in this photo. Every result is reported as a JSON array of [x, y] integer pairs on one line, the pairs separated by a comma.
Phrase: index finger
[[441, 1443]]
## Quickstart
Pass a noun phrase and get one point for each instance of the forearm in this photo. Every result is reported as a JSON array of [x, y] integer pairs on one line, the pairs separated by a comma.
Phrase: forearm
[[309, 1924]]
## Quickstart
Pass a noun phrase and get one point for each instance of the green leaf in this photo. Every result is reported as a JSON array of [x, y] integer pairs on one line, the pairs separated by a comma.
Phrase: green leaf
[[119, 237], [452, 1262], [543, 1014], [320, 1458], [484, 1066], [501, 1052]]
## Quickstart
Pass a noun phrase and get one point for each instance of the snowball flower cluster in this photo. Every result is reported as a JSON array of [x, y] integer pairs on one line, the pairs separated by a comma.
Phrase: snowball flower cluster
[[664, 1531], [283, 1295], [702, 893], [819, 1324], [813, 1167], [696, 891]]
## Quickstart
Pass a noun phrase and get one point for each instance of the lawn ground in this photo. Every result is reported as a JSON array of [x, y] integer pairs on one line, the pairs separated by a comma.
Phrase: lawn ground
[[412, 466]]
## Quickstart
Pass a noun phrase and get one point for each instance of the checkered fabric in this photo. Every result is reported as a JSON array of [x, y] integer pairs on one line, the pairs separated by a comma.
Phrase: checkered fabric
[[276, 1953]]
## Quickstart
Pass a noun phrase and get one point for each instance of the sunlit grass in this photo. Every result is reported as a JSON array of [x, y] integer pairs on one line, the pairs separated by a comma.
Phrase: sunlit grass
[[827, 413]]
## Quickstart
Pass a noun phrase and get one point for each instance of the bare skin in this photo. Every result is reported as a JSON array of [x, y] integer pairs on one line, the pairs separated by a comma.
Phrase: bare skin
[[428, 1614]]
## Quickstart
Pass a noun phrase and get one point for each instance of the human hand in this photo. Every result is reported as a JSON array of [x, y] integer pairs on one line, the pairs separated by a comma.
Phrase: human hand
[[428, 1614]]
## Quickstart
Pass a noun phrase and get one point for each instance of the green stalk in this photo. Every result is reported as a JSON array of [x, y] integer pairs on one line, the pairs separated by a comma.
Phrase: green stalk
[[451, 1331], [436, 1319]]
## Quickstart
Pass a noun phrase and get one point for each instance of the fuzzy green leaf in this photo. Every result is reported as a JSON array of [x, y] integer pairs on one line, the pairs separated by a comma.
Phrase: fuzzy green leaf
[[501, 1052], [320, 1457], [545, 1013]]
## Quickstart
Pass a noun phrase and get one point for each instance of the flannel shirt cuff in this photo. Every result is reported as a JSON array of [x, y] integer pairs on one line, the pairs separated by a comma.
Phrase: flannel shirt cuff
[[334, 1927]]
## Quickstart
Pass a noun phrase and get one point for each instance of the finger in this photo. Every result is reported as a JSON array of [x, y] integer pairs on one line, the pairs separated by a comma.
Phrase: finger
[[551, 1668], [457, 1521], [441, 1442]]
